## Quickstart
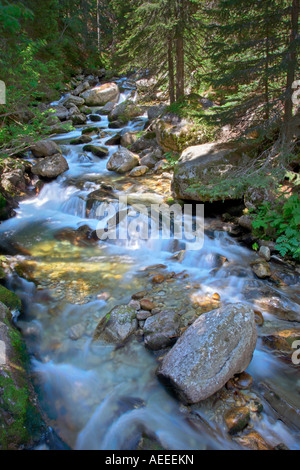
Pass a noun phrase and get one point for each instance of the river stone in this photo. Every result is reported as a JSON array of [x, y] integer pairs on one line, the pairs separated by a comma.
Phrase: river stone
[[95, 118], [161, 330], [213, 349], [51, 167], [139, 171], [44, 148], [122, 161], [71, 100], [76, 331], [107, 108], [125, 111], [129, 138], [115, 140], [79, 119], [81, 88], [101, 152], [265, 252], [237, 419], [262, 269], [83, 139], [73, 110], [100, 95], [208, 164], [117, 325], [59, 111]]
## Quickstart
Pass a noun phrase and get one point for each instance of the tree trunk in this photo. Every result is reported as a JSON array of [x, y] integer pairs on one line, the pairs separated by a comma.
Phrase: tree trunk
[[292, 61], [98, 26], [171, 72], [179, 67], [267, 103]]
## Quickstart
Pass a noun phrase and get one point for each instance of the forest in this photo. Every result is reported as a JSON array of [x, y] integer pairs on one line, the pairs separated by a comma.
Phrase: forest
[[125, 127]]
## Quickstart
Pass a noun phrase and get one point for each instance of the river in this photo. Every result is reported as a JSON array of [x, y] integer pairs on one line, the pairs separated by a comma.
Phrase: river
[[97, 396]]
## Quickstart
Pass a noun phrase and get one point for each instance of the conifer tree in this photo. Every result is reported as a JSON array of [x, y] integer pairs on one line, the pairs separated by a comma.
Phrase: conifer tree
[[250, 49]]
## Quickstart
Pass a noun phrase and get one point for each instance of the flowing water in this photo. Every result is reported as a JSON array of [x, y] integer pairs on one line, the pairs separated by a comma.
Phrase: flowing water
[[97, 396]]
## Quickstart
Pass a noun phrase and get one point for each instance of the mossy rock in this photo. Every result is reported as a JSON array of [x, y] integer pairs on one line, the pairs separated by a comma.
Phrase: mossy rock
[[10, 299], [21, 423], [90, 130], [100, 152]]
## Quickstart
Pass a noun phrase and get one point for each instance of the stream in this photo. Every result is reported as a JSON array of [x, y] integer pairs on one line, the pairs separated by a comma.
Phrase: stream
[[97, 396]]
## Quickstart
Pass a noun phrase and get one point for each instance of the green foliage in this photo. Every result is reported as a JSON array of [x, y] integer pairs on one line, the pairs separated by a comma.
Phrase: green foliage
[[281, 223], [172, 159]]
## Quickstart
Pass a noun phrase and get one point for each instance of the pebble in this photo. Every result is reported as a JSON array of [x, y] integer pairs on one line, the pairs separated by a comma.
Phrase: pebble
[[139, 295], [237, 419], [76, 331], [216, 296], [143, 315], [159, 279], [243, 381], [253, 441], [147, 305]]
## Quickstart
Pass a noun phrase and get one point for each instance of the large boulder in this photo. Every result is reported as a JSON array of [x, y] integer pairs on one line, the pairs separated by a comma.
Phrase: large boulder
[[156, 111], [218, 345], [117, 325], [122, 161], [44, 148], [125, 111], [100, 95], [175, 134], [51, 167], [207, 165]]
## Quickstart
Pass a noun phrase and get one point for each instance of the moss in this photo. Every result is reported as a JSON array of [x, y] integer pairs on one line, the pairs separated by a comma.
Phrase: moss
[[20, 421], [90, 130], [10, 299], [97, 151]]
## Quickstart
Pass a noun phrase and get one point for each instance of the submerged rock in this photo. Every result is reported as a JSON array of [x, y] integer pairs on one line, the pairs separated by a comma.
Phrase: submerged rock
[[213, 349], [237, 419]]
